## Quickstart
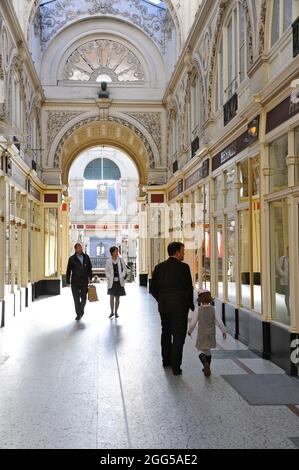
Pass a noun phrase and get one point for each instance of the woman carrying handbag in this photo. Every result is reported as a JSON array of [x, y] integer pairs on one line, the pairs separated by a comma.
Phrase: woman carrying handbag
[[116, 272]]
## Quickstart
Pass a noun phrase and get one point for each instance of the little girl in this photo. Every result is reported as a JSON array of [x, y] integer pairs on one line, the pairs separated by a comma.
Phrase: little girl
[[206, 318]]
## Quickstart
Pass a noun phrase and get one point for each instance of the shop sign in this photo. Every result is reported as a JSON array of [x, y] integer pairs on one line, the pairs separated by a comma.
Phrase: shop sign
[[176, 191], [282, 112], [198, 175]]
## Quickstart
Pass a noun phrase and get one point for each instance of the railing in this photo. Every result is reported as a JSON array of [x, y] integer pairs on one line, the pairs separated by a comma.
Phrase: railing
[[98, 262], [230, 109]]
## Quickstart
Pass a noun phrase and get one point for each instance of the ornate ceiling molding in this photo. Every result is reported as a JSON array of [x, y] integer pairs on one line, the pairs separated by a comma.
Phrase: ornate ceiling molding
[[148, 17], [100, 57]]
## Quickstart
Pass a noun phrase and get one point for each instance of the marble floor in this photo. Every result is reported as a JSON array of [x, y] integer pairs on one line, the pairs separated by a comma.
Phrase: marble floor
[[99, 384]]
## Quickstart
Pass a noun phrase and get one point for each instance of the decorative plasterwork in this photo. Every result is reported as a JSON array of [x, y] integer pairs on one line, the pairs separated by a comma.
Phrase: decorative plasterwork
[[95, 59], [148, 17], [262, 26], [123, 123], [152, 123], [55, 121]]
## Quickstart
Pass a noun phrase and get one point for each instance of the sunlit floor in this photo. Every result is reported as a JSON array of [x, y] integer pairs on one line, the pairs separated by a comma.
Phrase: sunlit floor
[[99, 384]]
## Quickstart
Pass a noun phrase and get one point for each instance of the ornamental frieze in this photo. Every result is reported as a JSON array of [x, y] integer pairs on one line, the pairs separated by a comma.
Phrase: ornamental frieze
[[120, 121], [152, 123], [56, 120]]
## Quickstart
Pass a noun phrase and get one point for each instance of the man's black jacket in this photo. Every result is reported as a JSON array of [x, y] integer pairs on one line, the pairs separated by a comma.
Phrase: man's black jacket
[[81, 274], [173, 278]]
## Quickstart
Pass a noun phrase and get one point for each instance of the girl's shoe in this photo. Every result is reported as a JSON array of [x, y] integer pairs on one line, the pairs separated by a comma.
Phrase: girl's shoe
[[111, 315]]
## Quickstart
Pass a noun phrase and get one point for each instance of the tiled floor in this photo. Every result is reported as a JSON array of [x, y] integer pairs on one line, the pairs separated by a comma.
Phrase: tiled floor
[[100, 384]]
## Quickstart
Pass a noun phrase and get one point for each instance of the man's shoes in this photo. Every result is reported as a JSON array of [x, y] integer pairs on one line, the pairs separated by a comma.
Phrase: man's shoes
[[177, 372], [111, 315]]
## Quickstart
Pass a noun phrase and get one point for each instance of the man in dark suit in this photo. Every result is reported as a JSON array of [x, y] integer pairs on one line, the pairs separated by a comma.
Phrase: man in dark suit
[[172, 287], [78, 274]]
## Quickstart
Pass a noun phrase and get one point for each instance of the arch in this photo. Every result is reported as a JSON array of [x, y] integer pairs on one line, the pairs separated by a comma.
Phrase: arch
[[74, 34], [107, 133], [223, 8]]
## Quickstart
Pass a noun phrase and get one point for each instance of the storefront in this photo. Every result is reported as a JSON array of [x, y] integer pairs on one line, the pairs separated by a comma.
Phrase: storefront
[[30, 232], [281, 243]]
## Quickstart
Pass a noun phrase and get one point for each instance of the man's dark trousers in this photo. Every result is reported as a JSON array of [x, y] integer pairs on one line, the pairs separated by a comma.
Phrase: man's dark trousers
[[80, 296], [174, 320]]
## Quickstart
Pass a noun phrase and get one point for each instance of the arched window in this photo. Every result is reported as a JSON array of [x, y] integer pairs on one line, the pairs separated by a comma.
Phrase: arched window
[[283, 13], [102, 169], [232, 55]]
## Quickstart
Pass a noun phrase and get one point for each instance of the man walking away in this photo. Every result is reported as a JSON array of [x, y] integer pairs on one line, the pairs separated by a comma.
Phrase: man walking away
[[78, 274], [173, 289]]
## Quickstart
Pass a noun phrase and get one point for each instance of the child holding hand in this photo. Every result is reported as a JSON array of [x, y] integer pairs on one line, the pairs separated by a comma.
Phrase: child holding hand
[[206, 318]]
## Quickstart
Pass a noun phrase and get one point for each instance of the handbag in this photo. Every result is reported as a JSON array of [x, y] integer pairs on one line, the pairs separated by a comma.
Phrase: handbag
[[92, 293]]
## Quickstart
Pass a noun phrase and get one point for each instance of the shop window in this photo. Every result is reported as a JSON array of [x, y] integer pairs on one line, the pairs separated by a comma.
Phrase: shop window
[[218, 193], [297, 155], [219, 256], [206, 241], [229, 186], [231, 257], [255, 176], [278, 152], [256, 255], [244, 181], [245, 267], [51, 238], [7, 237], [280, 281]]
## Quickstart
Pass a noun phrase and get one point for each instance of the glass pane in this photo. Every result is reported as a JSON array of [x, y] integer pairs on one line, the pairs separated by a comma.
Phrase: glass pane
[[288, 13], [218, 193], [231, 257], [219, 251], [245, 258], [206, 261], [275, 22], [242, 47], [243, 178], [297, 155], [51, 220], [279, 238], [256, 254], [278, 152], [256, 176], [229, 182], [220, 77], [7, 251], [230, 56]]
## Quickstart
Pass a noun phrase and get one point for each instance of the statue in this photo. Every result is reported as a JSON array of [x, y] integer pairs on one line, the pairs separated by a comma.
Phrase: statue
[[104, 93]]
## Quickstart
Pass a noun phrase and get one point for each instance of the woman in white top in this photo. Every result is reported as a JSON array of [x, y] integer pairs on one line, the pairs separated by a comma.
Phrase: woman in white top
[[116, 272]]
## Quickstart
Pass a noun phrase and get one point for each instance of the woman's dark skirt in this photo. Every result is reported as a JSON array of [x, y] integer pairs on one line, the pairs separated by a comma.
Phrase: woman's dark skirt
[[117, 290]]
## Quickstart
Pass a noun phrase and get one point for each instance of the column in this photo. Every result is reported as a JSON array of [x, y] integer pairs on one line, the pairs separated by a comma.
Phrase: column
[[143, 242], [65, 239]]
